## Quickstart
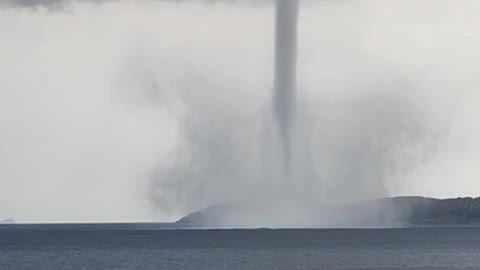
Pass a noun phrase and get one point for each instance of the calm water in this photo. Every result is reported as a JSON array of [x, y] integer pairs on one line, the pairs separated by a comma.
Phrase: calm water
[[429, 248]]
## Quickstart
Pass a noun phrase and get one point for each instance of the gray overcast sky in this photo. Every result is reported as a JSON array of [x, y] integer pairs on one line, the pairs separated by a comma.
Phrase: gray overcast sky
[[103, 105]]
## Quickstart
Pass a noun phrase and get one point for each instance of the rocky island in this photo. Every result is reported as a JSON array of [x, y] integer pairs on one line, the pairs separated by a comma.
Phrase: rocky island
[[386, 212]]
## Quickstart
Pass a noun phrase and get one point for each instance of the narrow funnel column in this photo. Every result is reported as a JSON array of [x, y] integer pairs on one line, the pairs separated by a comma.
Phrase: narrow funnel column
[[285, 72]]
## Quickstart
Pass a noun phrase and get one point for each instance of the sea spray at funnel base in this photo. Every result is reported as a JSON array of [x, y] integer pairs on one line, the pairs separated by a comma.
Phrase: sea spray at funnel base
[[285, 73]]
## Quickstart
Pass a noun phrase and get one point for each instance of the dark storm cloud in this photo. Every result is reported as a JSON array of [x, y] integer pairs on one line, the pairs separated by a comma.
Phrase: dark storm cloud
[[54, 4], [30, 3], [51, 4]]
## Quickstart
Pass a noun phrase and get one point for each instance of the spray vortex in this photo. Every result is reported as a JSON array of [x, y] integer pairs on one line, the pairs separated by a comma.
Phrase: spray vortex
[[285, 73]]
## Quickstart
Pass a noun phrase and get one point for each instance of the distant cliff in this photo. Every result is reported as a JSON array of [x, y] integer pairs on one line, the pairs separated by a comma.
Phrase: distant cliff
[[8, 221], [387, 212], [449, 211]]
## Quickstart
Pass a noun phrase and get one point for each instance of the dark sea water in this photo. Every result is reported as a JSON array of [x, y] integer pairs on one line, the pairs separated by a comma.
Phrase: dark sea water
[[120, 248]]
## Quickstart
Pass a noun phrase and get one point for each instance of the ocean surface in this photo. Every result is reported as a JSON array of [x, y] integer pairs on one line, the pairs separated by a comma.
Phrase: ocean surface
[[104, 247]]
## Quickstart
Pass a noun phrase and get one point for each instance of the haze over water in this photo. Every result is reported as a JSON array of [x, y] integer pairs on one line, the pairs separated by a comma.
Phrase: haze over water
[[149, 110]]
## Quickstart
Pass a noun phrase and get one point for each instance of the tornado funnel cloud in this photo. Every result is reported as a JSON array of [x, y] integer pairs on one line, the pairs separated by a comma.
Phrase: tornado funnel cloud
[[285, 73]]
